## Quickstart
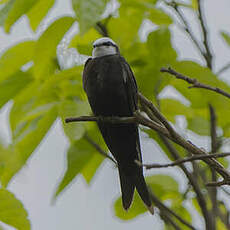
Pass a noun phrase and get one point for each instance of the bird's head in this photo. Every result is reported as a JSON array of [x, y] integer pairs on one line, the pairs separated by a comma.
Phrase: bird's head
[[104, 46]]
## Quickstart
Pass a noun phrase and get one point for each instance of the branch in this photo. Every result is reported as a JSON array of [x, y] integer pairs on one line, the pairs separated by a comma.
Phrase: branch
[[194, 82], [181, 161], [157, 114], [224, 68], [187, 28], [214, 149], [99, 149], [101, 28], [169, 220], [174, 153], [175, 137], [171, 134], [111, 120], [208, 54], [165, 209]]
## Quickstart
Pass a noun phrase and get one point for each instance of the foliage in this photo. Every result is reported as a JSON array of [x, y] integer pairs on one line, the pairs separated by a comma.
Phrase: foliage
[[42, 92]]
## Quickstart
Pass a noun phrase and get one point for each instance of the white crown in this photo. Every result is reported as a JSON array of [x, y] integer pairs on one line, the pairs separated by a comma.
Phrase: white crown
[[103, 40]]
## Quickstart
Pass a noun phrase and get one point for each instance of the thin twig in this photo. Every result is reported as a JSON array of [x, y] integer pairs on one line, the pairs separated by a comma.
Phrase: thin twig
[[225, 191], [208, 55], [112, 120], [187, 28], [184, 160], [168, 220], [216, 183], [193, 180], [214, 149], [164, 208], [98, 148], [194, 82], [224, 68], [101, 28]]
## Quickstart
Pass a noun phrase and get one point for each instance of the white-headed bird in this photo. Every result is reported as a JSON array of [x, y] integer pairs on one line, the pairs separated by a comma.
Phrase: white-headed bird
[[112, 91]]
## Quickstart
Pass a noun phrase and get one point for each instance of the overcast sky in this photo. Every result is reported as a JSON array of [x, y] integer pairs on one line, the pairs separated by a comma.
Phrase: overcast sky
[[82, 206]]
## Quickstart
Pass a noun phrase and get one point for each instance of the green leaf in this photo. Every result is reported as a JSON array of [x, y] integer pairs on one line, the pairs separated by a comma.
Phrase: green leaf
[[83, 43], [163, 186], [160, 53], [79, 154], [226, 37], [38, 12], [27, 137], [11, 86], [88, 12], [5, 11], [171, 107], [12, 211], [201, 98], [83, 158], [74, 108], [226, 130], [69, 84], [136, 208], [15, 57], [159, 17], [18, 9], [126, 34], [160, 48], [199, 125], [91, 167], [46, 47], [29, 121], [195, 4], [3, 1]]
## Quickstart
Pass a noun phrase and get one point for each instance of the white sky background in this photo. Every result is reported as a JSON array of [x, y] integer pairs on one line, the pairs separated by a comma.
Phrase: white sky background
[[81, 206]]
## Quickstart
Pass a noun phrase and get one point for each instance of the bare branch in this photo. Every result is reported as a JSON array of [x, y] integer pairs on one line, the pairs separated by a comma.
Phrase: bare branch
[[165, 209], [98, 148], [214, 149], [184, 160], [169, 220], [171, 134], [224, 68], [194, 82], [112, 120], [101, 28], [217, 183], [208, 54], [157, 114], [187, 28]]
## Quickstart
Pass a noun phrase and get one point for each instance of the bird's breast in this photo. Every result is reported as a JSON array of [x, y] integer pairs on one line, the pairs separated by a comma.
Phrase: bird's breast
[[105, 89]]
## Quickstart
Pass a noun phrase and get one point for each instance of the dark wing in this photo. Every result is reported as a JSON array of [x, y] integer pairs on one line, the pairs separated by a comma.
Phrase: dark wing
[[86, 66], [138, 178], [132, 96], [130, 85]]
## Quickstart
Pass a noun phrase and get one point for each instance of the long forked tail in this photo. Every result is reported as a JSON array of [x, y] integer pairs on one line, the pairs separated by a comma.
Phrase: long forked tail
[[128, 185], [143, 192], [127, 190]]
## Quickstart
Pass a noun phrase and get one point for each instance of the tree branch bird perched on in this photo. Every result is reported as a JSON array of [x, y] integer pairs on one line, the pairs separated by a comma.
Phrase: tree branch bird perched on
[[112, 91]]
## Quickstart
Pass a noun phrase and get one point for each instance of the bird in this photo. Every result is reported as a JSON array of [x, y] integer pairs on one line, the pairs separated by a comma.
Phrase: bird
[[111, 89]]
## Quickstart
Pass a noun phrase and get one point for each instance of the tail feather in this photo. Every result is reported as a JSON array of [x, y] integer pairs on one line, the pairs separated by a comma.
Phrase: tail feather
[[143, 191], [128, 184], [127, 190]]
